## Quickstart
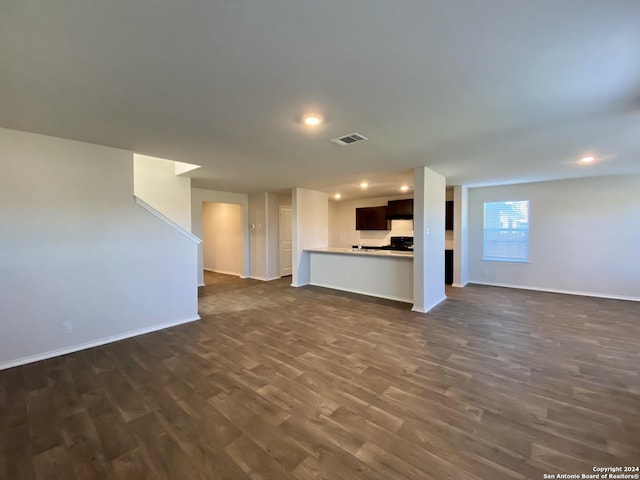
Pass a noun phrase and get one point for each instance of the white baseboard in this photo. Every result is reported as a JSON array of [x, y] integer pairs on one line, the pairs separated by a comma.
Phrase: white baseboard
[[428, 308], [93, 343], [201, 285], [224, 272], [460, 285], [264, 279], [360, 292], [556, 290]]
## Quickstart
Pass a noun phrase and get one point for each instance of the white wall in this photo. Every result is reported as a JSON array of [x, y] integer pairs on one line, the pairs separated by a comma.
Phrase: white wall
[[155, 182], [75, 247], [428, 251], [460, 236], [388, 276], [584, 237], [342, 223], [258, 235], [223, 238], [181, 168], [310, 229], [264, 218], [201, 195]]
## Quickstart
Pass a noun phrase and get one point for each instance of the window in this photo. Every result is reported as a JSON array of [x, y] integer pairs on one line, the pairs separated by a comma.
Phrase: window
[[506, 231]]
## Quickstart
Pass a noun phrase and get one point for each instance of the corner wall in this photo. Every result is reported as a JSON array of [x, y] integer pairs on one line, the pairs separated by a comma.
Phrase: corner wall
[[222, 237], [75, 248], [258, 235], [584, 237], [310, 229]]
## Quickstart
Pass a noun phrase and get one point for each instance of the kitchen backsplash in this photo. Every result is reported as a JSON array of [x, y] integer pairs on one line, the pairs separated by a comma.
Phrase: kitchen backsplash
[[448, 239], [399, 228], [375, 238]]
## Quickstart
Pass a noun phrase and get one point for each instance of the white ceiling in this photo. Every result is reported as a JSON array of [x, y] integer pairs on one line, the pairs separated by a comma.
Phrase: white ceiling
[[483, 92]]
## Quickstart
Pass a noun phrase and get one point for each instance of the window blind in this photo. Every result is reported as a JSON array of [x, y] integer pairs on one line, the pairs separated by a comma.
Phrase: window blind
[[506, 231]]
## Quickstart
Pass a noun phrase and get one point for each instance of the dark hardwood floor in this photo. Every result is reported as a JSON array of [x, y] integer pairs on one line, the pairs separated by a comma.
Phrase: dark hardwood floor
[[280, 383]]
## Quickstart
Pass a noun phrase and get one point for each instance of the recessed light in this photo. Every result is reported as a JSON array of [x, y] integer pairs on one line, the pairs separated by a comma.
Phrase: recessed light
[[587, 159], [404, 188], [337, 196], [364, 185], [312, 120]]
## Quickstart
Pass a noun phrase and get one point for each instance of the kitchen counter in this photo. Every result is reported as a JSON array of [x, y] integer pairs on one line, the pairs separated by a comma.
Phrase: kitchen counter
[[364, 251], [379, 273]]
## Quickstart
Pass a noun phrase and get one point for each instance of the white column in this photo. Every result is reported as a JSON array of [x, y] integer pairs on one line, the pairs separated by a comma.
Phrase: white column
[[460, 236], [428, 233], [310, 230]]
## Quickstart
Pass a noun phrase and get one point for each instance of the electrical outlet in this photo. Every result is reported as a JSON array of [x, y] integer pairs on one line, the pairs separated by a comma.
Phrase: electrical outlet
[[67, 327]]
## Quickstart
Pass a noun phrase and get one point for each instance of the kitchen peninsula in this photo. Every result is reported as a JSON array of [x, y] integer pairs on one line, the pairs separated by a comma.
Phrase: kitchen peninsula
[[380, 273]]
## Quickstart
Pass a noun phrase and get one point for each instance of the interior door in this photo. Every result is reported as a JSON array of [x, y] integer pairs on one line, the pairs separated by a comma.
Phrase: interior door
[[285, 241]]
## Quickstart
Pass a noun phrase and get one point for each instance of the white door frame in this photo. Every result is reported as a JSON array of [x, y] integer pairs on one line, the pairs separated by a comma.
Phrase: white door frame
[[288, 270]]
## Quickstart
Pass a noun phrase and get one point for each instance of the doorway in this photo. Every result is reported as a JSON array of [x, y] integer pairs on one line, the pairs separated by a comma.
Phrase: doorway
[[285, 240], [223, 238]]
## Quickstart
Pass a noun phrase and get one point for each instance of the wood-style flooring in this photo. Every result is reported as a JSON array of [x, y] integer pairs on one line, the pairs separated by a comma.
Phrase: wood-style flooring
[[307, 383]]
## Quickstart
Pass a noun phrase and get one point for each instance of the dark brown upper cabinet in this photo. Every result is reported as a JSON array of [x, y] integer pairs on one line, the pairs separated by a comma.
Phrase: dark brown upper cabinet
[[400, 209], [372, 218], [448, 215]]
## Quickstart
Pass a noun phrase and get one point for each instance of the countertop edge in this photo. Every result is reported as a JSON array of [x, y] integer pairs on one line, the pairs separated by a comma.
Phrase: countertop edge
[[349, 251]]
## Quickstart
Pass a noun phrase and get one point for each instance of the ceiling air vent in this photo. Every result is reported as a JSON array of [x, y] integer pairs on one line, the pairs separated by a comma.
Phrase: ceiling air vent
[[348, 139]]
